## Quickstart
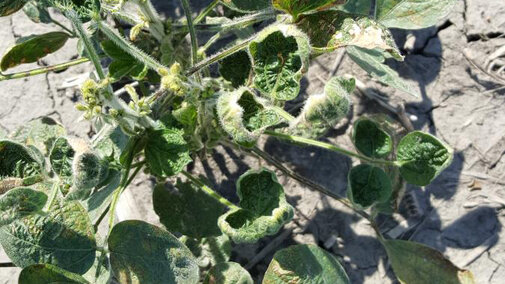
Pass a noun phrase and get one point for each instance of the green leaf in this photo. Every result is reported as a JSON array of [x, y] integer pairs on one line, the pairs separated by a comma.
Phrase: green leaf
[[329, 30], [280, 57], [357, 7], [33, 49], [48, 274], [123, 64], [8, 7], [414, 263], [412, 14], [37, 12], [305, 264], [40, 133], [99, 201], [244, 116], [143, 253], [99, 273], [372, 61], [89, 171], [236, 68], [192, 212], [264, 209], [368, 185], [423, 157], [167, 153], [110, 142], [209, 251], [19, 161], [247, 6], [323, 111], [61, 158], [370, 139], [228, 273], [300, 7], [63, 237], [20, 202]]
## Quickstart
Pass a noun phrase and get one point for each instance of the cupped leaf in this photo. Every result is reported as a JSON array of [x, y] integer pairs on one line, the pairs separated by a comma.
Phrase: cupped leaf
[[167, 153], [412, 14], [61, 158], [300, 7], [322, 111], [236, 68], [89, 171], [142, 253], [8, 7], [247, 6], [372, 61], [62, 237], [329, 30], [228, 273], [192, 212], [19, 161], [305, 264], [37, 12], [370, 139], [33, 49], [48, 274], [20, 202], [264, 209], [415, 263], [280, 57], [244, 116], [423, 157], [368, 185], [41, 133], [209, 251]]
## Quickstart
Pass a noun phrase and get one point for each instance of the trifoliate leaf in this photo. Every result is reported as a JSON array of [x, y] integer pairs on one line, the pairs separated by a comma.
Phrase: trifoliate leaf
[[167, 153], [412, 14], [300, 7], [61, 158], [20, 202], [123, 64], [48, 274], [357, 7], [322, 111], [19, 161], [40, 133], [192, 212], [423, 157], [280, 57], [236, 68], [33, 49], [228, 273], [247, 6], [415, 263], [372, 61], [37, 12], [8, 7], [244, 116], [367, 185], [305, 264], [64, 237], [370, 139], [209, 251], [332, 29], [264, 209], [142, 253]]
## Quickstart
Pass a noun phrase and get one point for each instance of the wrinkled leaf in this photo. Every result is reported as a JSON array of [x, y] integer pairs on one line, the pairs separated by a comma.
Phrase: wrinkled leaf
[[63, 237], [89, 171], [123, 64], [305, 264], [264, 209], [20, 202], [280, 57], [412, 14], [19, 161], [368, 185], [236, 68], [414, 263], [228, 273], [40, 133], [423, 157], [61, 158], [372, 61], [8, 7], [370, 139], [142, 253], [37, 12], [48, 274], [110, 142], [323, 111], [33, 49], [299, 7], [209, 251], [247, 6]]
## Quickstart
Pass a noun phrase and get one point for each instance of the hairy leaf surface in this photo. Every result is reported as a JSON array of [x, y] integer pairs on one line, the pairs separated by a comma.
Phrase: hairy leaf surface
[[48, 274], [61, 158], [209, 251], [247, 6], [143, 253], [368, 185], [370, 139], [299, 7], [40, 133], [20, 202], [305, 264], [19, 161], [89, 171], [228, 273]]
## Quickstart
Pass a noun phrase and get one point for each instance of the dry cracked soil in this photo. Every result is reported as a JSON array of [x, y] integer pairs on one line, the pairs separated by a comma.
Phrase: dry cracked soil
[[460, 214]]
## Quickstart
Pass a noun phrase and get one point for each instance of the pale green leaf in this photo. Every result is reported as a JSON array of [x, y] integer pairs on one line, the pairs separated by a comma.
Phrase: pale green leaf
[[246, 6], [370, 139], [49, 274], [37, 12], [61, 158], [89, 171], [228, 273], [209, 251], [99, 201], [368, 185], [305, 264], [142, 253], [40, 133], [110, 142], [300, 7], [20, 202], [359, 7]]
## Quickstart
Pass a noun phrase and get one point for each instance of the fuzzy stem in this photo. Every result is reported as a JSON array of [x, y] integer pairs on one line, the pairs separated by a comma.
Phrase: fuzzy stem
[[206, 11], [210, 191], [63, 27], [283, 113], [156, 26], [43, 70], [194, 39]]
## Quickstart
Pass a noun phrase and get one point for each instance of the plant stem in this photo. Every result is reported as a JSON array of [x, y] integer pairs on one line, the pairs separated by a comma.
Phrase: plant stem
[[283, 113], [43, 70], [210, 191], [194, 39], [156, 26], [206, 11], [63, 27]]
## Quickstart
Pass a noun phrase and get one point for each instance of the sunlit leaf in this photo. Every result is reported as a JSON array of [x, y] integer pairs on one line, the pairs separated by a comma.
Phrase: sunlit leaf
[[61, 158], [48, 274], [357, 7], [236, 68], [247, 6], [367, 185], [37, 12], [89, 171], [20, 202], [299, 7], [370, 139], [110, 142], [228, 273], [123, 64], [209, 251], [8, 7], [40, 133], [98, 202]]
